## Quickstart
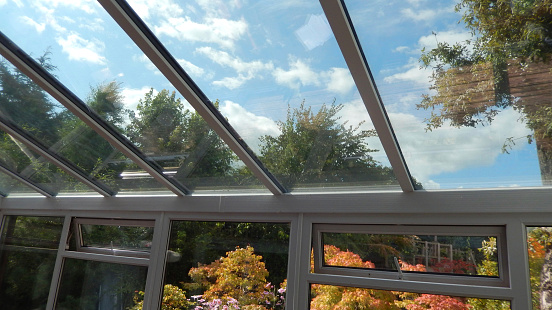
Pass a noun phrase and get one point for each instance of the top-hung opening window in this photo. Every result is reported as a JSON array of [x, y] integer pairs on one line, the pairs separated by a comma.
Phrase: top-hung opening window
[[131, 238], [445, 254]]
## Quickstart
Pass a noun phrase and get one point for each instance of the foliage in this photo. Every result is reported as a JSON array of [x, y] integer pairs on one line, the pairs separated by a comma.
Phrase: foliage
[[241, 275], [178, 138], [316, 147], [488, 267], [173, 299], [475, 80]]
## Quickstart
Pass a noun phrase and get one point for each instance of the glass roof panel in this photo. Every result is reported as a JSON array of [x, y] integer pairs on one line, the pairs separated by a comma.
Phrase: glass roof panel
[[473, 115], [20, 159], [279, 78], [36, 113], [12, 187], [96, 60]]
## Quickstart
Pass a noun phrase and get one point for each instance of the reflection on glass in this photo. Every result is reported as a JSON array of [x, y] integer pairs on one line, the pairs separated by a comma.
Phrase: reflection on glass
[[473, 255], [134, 238], [10, 186], [30, 108], [466, 87], [281, 81], [96, 60], [90, 285], [350, 298], [229, 264], [539, 248], [28, 253]]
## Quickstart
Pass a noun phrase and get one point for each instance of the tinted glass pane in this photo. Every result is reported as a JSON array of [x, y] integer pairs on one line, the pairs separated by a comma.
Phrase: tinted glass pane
[[232, 264], [95, 59], [117, 237], [90, 285], [28, 251], [540, 270], [350, 298], [282, 83], [473, 255], [467, 102]]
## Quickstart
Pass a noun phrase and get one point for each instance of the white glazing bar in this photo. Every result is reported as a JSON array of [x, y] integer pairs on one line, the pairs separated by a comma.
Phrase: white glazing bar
[[349, 45], [169, 70], [58, 267], [516, 237], [156, 270], [294, 262], [136, 261], [302, 299]]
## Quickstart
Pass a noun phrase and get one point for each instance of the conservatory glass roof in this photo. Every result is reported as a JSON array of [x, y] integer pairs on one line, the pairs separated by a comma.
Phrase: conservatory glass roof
[[169, 97]]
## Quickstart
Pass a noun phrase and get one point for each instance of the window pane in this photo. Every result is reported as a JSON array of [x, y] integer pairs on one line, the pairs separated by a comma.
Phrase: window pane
[[117, 237], [90, 285], [540, 268], [466, 255], [234, 264], [28, 252], [349, 298]]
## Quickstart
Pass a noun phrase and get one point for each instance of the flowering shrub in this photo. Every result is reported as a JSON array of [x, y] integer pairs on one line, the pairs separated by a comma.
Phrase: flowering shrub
[[173, 299]]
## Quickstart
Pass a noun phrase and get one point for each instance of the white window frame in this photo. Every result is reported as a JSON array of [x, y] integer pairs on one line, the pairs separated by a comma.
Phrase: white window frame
[[494, 231], [514, 209]]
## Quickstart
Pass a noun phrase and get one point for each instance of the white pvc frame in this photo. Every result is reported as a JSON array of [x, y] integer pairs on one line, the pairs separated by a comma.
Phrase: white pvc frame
[[513, 209], [495, 231]]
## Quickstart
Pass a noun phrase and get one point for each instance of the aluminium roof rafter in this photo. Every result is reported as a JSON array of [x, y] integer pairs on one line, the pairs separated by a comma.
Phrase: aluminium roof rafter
[[344, 33], [56, 89], [144, 38]]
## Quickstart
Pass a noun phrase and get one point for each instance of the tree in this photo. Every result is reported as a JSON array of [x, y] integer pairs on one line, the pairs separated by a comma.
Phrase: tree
[[177, 138], [505, 65], [317, 148]]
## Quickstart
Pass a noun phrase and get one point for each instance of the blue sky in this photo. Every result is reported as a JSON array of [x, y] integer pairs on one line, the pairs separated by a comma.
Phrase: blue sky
[[258, 57]]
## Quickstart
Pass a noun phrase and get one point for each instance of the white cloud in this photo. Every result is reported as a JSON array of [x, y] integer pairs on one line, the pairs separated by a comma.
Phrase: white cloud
[[245, 70], [3, 2], [192, 69], [164, 9], [80, 49], [451, 37], [250, 126], [426, 15], [29, 21], [339, 80], [132, 96], [335, 80], [220, 31], [147, 62], [413, 74], [88, 6], [299, 74], [450, 149]]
